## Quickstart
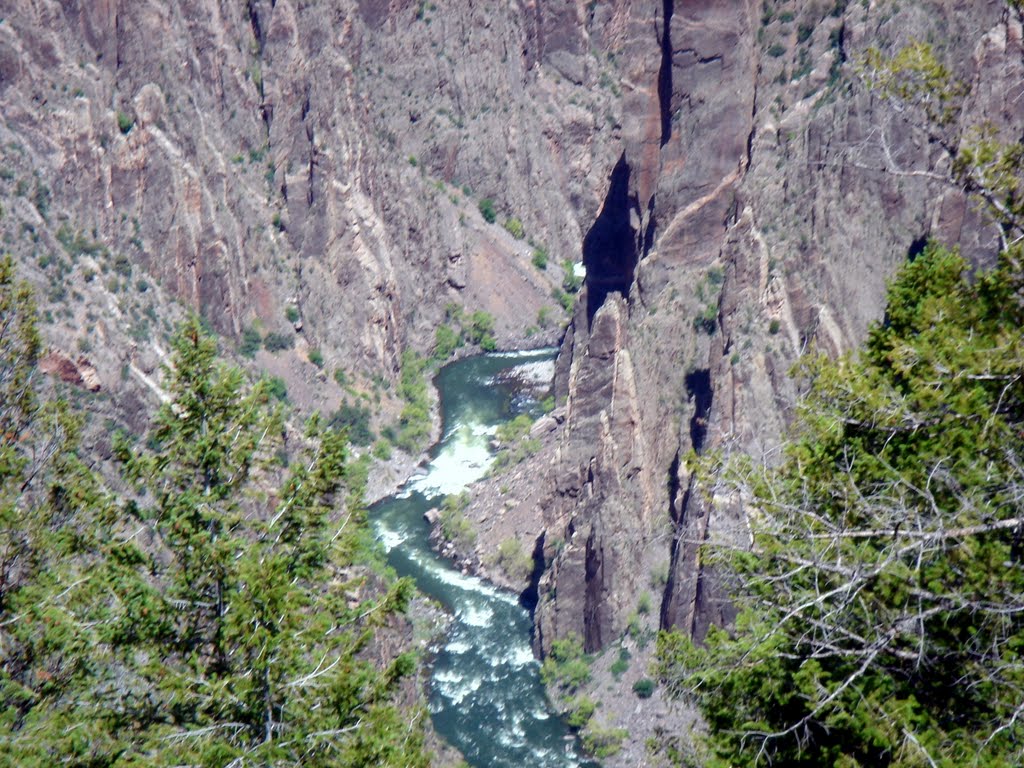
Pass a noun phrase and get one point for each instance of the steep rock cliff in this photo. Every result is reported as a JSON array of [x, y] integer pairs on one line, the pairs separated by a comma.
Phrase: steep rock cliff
[[762, 197], [328, 157]]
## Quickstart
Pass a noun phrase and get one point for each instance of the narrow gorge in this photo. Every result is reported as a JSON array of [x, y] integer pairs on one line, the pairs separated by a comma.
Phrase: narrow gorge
[[678, 201]]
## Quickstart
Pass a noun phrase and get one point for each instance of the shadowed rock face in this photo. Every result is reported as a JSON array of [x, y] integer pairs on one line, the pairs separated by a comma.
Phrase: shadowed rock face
[[610, 249], [761, 200]]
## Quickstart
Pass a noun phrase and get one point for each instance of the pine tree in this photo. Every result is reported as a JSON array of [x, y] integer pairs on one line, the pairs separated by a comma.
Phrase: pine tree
[[223, 613], [882, 598]]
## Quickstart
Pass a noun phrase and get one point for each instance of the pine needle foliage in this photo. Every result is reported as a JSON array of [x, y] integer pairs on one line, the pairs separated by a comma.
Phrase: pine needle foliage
[[218, 614], [881, 599]]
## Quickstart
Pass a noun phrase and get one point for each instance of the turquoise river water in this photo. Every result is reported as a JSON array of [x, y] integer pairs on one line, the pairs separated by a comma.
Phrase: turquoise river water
[[485, 696]]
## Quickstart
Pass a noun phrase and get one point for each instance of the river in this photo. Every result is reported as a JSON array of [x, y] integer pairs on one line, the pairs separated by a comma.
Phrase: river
[[485, 696]]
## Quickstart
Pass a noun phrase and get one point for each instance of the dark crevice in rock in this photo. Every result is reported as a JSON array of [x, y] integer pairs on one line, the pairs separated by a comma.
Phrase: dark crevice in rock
[[651, 229], [698, 386], [687, 516], [667, 613], [917, 247], [254, 22], [530, 596], [593, 576], [669, 604], [665, 72], [610, 247]]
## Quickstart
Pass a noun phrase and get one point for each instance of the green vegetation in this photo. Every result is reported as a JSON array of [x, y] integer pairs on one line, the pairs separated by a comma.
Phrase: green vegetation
[[571, 282], [644, 688], [251, 342], [515, 228], [291, 312], [540, 258], [193, 621], [516, 445], [643, 605], [603, 742], [354, 420], [125, 122], [621, 664], [446, 341], [708, 290], [458, 329], [566, 668], [543, 317], [486, 207], [481, 330], [454, 525], [881, 602], [579, 711], [316, 357], [513, 560], [76, 243], [414, 421], [278, 342], [276, 388]]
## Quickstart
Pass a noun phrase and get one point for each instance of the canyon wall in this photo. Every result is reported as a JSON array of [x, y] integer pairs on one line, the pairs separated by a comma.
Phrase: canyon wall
[[761, 198], [736, 193]]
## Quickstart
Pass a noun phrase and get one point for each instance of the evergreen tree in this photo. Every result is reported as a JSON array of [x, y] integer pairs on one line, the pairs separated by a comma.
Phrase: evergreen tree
[[224, 614], [882, 598]]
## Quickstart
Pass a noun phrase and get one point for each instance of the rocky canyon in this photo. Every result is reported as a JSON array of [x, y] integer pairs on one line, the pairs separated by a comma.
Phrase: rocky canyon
[[342, 173]]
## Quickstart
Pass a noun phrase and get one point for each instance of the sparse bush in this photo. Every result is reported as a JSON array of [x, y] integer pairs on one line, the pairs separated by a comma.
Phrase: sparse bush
[[707, 320], [514, 226], [454, 525], [644, 604], [355, 420], [486, 207], [581, 709], [251, 342], [774, 326], [278, 342], [566, 665], [414, 421], [621, 664], [125, 122], [292, 313], [446, 341], [540, 258], [604, 742], [644, 688], [515, 562], [316, 357], [276, 388], [571, 282], [513, 430], [481, 330]]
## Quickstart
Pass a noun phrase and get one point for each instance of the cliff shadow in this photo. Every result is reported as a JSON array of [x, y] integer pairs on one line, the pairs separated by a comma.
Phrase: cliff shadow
[[610, 247]]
